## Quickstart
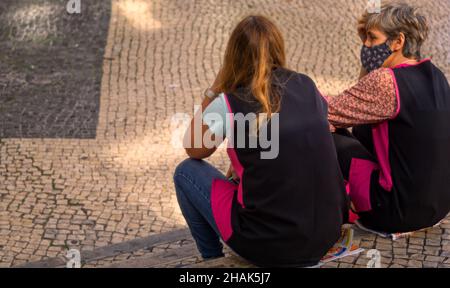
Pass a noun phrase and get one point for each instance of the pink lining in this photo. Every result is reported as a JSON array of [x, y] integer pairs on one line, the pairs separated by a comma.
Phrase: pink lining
[[380, 135], [352, 217], [239, 171], [222, 193], [237, 166], [409, 65], [359, 183], [229, 111], [397, 94]]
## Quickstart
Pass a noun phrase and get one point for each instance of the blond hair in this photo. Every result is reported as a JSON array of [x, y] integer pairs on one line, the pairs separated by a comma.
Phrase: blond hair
[[256, 47]]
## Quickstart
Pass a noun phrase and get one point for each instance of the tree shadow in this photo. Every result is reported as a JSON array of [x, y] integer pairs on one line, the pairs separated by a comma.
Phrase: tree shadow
[[51, 68]]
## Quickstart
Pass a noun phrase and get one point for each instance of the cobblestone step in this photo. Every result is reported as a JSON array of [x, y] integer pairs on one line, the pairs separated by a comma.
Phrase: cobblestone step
[[177, 249], [108, 255], [186, 256], [230, 261], [168, 250], [177, 257]]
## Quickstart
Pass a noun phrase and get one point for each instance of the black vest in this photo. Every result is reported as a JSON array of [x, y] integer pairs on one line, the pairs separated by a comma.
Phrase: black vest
[[419, 154], [292, 206]]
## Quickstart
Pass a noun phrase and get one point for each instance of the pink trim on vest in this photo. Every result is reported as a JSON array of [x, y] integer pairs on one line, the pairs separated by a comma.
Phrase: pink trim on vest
[[409, 65], [237, 166], [380, 134], [239, 171], [397, 94], [222, 193], [230, 112], [359, 183], [352, 217]]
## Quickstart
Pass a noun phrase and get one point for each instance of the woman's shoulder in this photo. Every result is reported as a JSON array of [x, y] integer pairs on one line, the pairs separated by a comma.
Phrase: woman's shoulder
[[306, 79], [378, 77], [291, 75], [379, 73]]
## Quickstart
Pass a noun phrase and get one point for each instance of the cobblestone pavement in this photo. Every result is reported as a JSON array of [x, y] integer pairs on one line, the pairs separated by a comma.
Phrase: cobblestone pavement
[[160, 55]]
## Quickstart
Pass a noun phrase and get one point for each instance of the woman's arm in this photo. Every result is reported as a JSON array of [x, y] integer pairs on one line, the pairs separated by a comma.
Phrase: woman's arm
[[372, 100], [196, 133], [202, 138]]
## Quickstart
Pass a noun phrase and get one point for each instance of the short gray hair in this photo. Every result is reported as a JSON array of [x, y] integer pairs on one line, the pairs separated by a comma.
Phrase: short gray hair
[[396, 18]]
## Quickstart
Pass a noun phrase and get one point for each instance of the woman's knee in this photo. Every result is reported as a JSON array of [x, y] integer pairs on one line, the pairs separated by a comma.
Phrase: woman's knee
[[185, 168]]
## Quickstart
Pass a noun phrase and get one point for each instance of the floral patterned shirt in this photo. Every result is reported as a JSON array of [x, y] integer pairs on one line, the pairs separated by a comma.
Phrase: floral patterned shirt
[[372, 100]]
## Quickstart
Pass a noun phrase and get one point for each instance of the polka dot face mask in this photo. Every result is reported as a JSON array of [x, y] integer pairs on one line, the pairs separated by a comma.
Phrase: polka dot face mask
[[373, 57]]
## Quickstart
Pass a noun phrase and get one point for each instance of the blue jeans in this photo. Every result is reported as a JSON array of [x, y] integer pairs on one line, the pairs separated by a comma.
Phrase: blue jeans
[[193, 179]]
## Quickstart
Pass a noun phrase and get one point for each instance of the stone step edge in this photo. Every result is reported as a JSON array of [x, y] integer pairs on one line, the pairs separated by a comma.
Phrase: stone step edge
[[174, 256], [159, 259], [114, 249]]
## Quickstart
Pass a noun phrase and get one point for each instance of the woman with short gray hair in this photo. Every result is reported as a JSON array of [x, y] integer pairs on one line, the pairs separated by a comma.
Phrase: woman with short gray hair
[[397, 23], [397, 159]]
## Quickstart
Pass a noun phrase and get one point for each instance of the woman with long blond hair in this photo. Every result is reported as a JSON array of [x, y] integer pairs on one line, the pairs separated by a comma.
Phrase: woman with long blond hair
[[283, 201]]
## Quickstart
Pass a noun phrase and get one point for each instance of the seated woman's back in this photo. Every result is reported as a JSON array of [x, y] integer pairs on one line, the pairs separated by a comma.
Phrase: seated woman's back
[[289, 204], [291, 200]]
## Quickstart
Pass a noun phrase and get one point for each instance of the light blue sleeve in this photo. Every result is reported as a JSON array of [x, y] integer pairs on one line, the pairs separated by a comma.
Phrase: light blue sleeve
[[215, 116]]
